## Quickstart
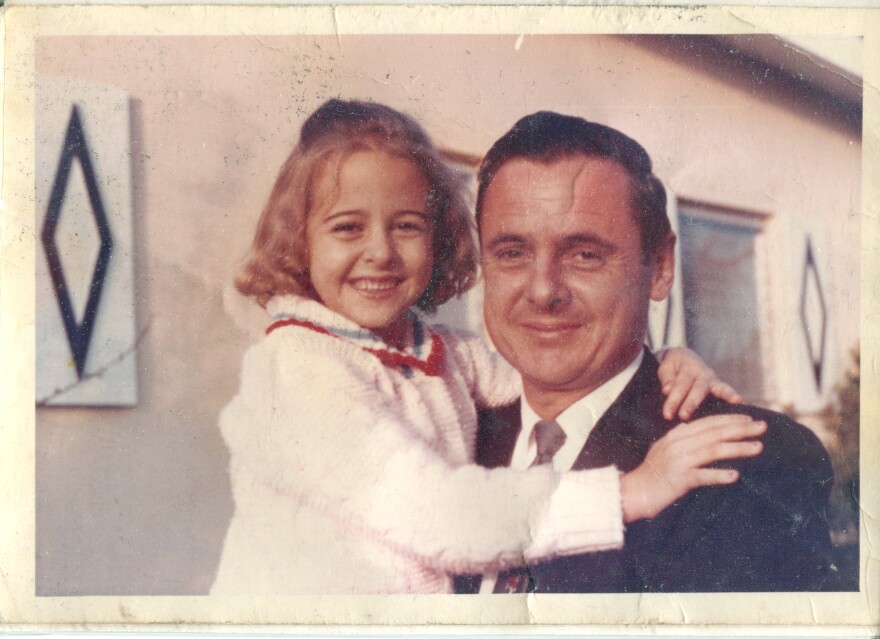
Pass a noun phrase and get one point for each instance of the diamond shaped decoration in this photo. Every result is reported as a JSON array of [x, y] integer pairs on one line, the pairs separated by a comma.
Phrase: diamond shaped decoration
[[79, 332], [76, 239], [814, 314]]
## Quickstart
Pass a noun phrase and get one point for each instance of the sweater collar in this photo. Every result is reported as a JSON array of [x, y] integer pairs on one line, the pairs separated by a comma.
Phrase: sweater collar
[[421, 348]]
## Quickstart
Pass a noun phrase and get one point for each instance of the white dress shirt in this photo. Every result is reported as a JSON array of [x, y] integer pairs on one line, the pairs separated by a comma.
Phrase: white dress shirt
[[577, 421]]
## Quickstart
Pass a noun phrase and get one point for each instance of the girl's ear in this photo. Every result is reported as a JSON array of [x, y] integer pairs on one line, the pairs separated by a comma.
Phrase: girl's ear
[[663, 269]]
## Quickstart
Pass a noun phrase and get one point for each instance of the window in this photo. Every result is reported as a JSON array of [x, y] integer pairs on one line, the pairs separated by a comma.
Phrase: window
[[720, 291]]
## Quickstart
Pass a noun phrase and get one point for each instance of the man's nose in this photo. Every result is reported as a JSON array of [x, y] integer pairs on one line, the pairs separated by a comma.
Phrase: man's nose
[[546, 286]]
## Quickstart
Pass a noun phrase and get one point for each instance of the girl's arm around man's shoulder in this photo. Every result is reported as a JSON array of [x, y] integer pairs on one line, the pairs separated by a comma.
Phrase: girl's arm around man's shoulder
[[491, 379], [327, 437]]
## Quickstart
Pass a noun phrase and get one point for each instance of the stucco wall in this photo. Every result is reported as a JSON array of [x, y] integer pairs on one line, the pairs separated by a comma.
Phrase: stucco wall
[[137, 500]]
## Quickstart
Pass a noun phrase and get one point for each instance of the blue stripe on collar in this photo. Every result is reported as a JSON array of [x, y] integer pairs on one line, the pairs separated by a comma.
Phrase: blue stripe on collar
[[364, 335]]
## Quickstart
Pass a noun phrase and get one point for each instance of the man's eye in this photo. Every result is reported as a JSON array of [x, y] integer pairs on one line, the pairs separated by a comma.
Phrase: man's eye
[[510, 255], [587, 259]]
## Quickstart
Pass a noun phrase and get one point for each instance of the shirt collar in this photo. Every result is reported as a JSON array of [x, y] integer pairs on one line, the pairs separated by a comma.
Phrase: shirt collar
[[600, 400], [578, 419]]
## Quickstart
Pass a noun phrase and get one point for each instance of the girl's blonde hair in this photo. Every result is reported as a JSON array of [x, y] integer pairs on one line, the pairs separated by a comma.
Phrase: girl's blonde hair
[[278, 260]]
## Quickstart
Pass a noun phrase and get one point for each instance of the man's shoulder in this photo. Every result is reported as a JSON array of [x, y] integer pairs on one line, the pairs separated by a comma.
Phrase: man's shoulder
[[782, 430], [766, 532], [787, 444], [792, 454]]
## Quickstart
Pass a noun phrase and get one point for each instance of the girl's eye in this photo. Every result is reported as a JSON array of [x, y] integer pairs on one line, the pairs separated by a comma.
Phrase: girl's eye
[[411, 227], [345, 227]]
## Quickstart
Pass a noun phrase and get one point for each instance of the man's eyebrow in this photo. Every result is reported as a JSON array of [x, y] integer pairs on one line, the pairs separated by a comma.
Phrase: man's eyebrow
[[587, 238], [506, 238]]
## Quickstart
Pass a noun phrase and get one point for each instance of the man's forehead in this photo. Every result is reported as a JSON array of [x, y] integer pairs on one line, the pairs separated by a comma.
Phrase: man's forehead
[[564, 189], [523, 173]]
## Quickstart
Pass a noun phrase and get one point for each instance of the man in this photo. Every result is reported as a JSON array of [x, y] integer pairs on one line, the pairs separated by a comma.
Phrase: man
[[575, 243]]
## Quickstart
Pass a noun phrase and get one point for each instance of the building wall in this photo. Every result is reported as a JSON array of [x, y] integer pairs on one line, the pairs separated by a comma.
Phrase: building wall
[[137, 500]]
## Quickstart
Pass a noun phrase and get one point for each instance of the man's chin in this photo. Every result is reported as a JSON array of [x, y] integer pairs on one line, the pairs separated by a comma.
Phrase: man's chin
[[552, 379]]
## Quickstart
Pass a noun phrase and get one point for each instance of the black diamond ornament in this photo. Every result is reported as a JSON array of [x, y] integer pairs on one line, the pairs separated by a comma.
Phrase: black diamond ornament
[[817, 359], [79, 333]]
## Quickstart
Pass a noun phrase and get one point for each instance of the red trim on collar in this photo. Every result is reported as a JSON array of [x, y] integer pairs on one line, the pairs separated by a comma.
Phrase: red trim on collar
[[430, 367]]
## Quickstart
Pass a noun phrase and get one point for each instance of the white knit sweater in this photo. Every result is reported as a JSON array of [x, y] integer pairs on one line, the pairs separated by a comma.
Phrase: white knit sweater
[[351, 475]]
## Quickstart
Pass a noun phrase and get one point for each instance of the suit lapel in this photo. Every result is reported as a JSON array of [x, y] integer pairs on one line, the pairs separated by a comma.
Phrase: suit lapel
[[623, 435], [499, 428]]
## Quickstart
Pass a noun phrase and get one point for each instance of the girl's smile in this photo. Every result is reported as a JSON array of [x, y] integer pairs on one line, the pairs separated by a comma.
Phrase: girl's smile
[[370, 239], [376, 287]]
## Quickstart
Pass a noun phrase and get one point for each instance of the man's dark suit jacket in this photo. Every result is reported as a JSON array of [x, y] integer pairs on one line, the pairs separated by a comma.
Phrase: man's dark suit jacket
[[767, 532]]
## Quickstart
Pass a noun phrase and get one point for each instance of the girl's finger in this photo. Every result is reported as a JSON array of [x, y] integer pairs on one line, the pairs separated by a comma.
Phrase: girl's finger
[[714, 477], [680, 388], [726, 392], [732, 432], [667, 371], [695, 396], [699, 427], [738, 430], [718, 451]]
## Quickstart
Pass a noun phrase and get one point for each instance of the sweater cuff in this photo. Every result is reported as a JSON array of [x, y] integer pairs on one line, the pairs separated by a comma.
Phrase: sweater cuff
[[584, 514]]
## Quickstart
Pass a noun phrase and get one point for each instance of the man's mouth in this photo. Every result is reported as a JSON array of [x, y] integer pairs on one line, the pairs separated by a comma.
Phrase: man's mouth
[[550, 328]]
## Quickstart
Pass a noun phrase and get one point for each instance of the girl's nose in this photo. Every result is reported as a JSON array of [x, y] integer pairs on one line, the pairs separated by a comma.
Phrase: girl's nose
[[380, 246]]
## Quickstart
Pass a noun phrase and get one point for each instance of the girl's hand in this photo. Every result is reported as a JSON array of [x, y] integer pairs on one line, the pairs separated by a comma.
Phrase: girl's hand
[[676, 463], [686, 380]]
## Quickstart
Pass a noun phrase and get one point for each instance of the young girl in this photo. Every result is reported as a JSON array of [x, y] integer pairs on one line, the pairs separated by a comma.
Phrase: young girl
[[352, 435]]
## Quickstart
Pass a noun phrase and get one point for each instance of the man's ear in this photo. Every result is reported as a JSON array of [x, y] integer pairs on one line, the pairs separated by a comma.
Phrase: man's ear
[[663, 269]]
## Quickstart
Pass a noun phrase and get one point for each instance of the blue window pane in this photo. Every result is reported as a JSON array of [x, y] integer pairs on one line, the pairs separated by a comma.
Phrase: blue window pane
[[720, 300]]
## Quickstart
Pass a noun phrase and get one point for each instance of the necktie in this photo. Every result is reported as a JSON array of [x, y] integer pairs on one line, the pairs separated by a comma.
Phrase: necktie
[[549, 438]]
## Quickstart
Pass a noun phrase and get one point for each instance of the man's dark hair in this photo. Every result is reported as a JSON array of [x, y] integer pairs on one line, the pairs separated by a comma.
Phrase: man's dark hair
[[547, 137]]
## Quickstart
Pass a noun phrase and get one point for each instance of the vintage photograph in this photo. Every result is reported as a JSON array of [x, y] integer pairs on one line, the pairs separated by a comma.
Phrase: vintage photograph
[[424, 314]]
